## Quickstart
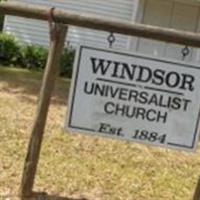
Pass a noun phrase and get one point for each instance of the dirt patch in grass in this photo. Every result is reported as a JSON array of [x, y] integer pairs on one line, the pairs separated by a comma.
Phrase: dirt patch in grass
[[78, 166]]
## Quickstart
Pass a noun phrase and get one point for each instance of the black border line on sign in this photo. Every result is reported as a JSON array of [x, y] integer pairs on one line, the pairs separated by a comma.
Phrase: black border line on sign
[[131, 55], [139, 86], [75, 84], [73, 96]]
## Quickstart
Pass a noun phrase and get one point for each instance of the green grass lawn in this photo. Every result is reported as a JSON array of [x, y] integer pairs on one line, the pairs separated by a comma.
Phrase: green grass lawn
[[80, 166]]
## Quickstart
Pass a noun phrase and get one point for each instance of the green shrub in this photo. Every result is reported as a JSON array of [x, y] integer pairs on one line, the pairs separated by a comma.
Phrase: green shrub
[[33, 57], [66, 62], [10, 50]]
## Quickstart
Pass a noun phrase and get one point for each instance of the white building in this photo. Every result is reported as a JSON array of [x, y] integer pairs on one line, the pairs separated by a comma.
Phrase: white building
[[178, 14]]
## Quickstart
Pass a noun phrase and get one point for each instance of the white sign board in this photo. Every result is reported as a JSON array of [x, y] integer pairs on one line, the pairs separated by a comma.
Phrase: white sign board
[[135, 97]]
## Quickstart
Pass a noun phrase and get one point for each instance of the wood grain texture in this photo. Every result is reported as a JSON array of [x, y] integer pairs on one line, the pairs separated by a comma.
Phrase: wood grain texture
[[57, 36], [101, 23]]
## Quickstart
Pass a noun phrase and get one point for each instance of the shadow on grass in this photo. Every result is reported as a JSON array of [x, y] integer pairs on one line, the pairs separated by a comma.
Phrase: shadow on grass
[[28, 83], [45, 196], [197, 191]]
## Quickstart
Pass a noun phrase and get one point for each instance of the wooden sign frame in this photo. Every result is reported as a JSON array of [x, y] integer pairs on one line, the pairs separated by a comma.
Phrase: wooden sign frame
[[59, 21]]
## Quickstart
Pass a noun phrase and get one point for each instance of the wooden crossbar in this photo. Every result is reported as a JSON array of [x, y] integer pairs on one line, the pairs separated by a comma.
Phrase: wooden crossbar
[[101, 23]]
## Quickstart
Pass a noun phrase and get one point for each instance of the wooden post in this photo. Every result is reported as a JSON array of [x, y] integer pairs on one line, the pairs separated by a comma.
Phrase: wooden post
[[197, 191], [57, 39]]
